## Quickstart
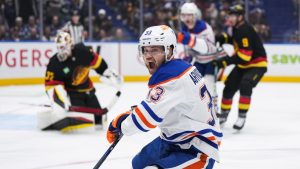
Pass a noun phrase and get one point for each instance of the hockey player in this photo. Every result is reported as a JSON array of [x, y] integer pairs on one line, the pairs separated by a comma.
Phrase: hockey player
[[250, 65], [178, 103], [199, 40], [70, 67]]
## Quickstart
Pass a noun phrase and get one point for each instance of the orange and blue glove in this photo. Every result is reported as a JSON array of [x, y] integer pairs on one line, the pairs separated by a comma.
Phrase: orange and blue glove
[[186, 38], [114, 129]]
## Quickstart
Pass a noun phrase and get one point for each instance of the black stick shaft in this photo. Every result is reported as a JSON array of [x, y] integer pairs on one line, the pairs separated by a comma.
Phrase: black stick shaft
[[108, 151]]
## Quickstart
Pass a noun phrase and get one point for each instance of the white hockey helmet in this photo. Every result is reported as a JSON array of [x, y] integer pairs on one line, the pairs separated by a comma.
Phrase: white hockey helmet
[[161, 35], [64, 43], [190, 8]]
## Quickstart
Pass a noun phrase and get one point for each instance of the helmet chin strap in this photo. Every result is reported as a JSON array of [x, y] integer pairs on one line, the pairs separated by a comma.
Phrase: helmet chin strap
[[167, 53]]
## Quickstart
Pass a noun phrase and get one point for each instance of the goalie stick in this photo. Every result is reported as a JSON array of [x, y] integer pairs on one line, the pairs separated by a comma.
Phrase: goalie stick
[[108, 151], [80, 109], [83, 109]]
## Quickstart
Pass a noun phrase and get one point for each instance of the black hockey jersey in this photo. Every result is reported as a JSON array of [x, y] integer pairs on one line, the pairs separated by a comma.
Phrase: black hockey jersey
[[74, 72], [249, 49]]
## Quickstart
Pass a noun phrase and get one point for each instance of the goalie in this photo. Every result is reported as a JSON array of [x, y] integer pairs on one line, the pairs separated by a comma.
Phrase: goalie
[[70, 68]]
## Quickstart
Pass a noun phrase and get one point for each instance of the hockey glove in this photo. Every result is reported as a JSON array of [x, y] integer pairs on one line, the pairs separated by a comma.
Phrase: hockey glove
[[110, 77], [114, 129], [223, 62], [186, 38], [221, 39]]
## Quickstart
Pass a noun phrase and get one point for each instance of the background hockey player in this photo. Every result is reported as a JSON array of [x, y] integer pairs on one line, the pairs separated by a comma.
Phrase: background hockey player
[[199, 41], [250, 64], [70, 67], [178, 103]]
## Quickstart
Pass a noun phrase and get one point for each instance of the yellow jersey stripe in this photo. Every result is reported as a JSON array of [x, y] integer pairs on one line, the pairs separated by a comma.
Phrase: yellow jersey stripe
[[259, 64], [243, 56]]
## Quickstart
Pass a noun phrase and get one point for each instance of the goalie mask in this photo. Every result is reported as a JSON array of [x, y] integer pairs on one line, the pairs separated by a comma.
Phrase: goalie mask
[[64, 45], [189, 14]]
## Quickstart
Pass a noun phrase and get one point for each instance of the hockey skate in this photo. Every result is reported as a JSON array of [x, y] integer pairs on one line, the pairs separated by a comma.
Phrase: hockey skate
[[222, 118], [239, 124]]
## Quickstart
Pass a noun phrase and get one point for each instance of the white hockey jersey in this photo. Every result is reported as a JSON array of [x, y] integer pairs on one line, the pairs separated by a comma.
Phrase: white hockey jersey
[[203, 48], [178, 103]]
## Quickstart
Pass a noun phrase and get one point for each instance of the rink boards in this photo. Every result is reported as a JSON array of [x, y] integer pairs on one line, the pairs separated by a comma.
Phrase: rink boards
[[25, 62]]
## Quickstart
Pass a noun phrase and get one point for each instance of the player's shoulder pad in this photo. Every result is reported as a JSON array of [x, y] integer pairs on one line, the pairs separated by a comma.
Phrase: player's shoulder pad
[[169, 71], [245, 29], [80, 47], [84, 53], [53, 60]]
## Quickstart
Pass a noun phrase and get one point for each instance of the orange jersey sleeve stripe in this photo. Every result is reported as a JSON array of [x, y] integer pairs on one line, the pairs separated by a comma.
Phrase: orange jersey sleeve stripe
[[143, 118], [192, 41]]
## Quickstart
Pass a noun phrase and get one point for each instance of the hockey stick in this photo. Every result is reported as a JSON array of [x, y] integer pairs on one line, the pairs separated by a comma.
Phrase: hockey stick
[[108, 151], [80, 109], [83, 109], [37, 105]]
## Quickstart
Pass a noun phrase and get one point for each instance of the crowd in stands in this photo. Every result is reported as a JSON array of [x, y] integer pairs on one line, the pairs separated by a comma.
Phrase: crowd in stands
[[166, 12], [19, 19]]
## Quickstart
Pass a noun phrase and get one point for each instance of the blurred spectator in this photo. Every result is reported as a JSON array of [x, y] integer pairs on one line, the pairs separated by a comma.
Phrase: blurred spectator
[[15, 35], [33, 34], [119, 35], [31, 25], [47, 34], [3, 34], [103, 36], [55, 25], [257, 16], [103, 21], [263, 31], [18, 31]]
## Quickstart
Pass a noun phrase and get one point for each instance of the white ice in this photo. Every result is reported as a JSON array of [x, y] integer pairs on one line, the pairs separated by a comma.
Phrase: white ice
[[270, 139]]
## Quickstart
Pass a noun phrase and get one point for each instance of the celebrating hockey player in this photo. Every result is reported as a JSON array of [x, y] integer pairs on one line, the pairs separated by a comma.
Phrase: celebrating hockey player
[[199, 40], [178, 102], [70, 67], [250, 65]]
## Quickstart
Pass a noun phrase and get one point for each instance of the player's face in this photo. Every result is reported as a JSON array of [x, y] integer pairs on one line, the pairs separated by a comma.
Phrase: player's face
[[153, 57], [232, 20], [188, 20]]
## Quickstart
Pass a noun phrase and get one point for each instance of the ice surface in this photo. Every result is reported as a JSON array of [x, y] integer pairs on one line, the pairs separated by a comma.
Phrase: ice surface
[[270, 139]]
